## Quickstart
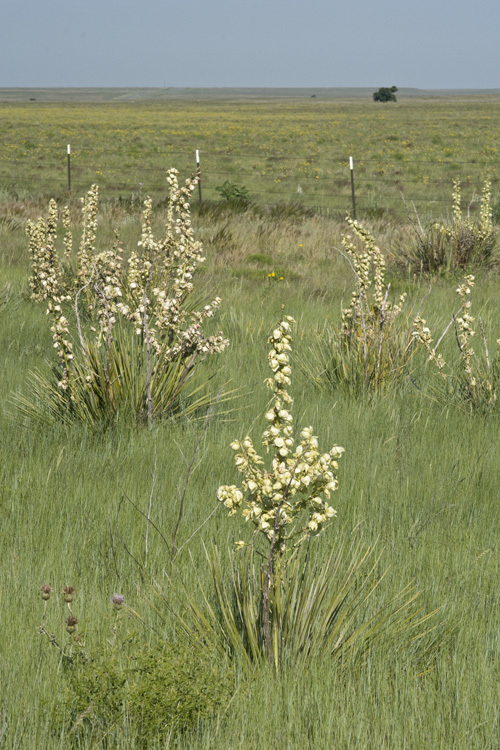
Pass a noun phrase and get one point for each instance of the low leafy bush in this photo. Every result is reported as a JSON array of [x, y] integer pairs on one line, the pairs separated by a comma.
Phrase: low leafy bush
[[234, 194], [152, 692], [125, 686]]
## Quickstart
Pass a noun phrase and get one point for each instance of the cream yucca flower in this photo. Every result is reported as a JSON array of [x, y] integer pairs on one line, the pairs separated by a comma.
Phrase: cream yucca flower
[[150, 298], [476, 380], [288, 502]]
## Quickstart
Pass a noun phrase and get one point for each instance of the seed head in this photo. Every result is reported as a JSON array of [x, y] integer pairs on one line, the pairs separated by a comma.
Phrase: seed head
[[46, 590], [71, 623]]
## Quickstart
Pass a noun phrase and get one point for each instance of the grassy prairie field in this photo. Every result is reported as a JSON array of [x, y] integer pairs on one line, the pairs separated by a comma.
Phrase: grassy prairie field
[[420, 478], [278, 147]]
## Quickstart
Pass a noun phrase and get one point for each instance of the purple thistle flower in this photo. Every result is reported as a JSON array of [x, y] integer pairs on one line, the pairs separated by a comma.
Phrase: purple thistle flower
[[117, 600]]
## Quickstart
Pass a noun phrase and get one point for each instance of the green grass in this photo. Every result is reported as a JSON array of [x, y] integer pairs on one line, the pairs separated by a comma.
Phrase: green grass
[[418, 479], [280, 148]]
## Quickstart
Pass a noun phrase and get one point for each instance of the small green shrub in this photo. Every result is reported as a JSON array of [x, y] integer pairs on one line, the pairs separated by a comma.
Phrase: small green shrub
[[152, 692], [234, 194], [126, 686]]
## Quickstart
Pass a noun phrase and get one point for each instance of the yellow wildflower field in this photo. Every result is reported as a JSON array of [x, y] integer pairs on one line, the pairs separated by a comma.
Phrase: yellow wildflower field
[[278, 149]]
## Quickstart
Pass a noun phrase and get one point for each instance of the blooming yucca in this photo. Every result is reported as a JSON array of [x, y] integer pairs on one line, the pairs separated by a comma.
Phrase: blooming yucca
[[371, 350], [142, 335], [477, 381], [289, 502]]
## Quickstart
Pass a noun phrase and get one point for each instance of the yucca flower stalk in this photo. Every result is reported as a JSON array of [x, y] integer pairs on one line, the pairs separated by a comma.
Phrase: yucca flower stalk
[[68, 235], [139, 335], [45, 267], [289, 502], [86, 250], [486, 212], [372, 348], [477, 379]]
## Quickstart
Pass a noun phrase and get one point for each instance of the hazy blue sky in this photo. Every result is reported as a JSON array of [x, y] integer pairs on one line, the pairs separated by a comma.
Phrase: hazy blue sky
[[423, 43]]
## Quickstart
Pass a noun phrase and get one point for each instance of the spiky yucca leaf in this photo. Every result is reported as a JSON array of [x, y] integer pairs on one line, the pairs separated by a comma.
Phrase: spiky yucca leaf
[[357, 364], [327, 610], [106, 384]]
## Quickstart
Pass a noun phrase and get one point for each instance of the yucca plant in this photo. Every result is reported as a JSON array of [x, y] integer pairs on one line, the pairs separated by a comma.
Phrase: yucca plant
[[458, 244], [372, 349], [128, 336], [320, 609], [336, 363], [108, 385], [276, 602]]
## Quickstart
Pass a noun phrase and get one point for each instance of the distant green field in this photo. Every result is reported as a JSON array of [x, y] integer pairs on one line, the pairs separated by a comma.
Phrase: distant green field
[[109, 94], [280, 145]]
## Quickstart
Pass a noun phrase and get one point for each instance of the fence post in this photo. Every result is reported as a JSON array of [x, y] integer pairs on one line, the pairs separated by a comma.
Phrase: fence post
[[198, 172], [69, 168], [351, 167]]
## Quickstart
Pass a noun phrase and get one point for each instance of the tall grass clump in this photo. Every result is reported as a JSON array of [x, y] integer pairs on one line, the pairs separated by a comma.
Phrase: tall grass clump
[[127, 334], [278, 603], [372, 348], [455, 245]]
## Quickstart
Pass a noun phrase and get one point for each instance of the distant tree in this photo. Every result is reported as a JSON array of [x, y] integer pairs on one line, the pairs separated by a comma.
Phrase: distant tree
[[385, 94]]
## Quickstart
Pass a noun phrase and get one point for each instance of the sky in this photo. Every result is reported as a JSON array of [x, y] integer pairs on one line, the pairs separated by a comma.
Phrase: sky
[[430, 44]]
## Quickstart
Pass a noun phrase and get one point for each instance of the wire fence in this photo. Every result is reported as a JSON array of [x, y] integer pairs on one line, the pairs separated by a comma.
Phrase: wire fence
[[334, 183]]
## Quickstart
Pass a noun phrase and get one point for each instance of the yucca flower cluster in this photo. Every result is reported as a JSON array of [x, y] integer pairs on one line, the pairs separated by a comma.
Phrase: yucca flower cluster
[[46, 283], [465, 330], [422, 334], [68, 235], [478, 379], [149, 295], [45, 268], [289, 502], [486, 212], [89, 233], [160, 279], [107, 291], [364, 314]]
